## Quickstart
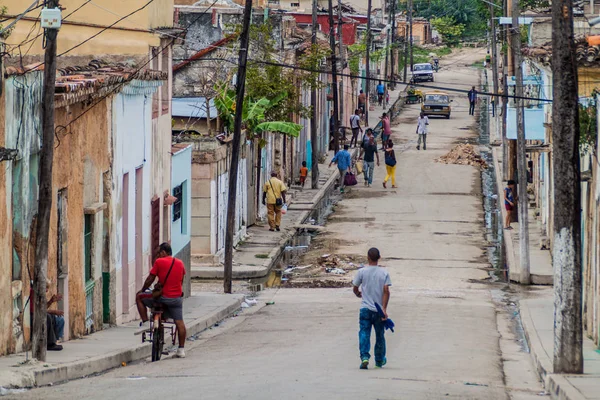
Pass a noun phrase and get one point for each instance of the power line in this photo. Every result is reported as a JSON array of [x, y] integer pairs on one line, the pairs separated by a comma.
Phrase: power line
[[33, 6], [119, 86]]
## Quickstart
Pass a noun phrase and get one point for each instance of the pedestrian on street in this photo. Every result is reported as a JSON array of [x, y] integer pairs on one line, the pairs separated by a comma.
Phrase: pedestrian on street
[[55, 321], [170, 272], [303, 174], [472, 100], [362, 102], [509, 202], [355, 126], [343, 159], [370, 152], [390, 164], [372, 284], [380, 92], [422, 124], [386, 130], [274, 198]]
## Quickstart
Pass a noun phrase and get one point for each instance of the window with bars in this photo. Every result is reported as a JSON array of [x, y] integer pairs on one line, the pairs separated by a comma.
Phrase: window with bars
[[87, 243], [295, 5], [177, 206]]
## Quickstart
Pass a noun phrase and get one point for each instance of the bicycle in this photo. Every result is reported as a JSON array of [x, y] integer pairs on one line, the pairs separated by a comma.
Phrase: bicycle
[[155, 333]]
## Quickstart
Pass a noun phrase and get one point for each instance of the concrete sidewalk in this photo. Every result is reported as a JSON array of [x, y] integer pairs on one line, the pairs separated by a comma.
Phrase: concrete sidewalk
[[109, 348], [537, 315], [540, 260], [255, 257]]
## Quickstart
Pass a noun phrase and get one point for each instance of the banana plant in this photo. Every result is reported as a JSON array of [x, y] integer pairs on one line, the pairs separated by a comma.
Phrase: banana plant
[[253, 114]]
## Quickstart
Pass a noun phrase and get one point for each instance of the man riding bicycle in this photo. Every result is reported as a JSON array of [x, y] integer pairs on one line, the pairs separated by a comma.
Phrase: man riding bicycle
[[170, 272]]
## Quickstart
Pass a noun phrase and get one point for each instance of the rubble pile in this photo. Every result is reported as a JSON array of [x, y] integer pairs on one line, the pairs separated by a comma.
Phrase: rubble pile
[[463, 154], [327, 271]]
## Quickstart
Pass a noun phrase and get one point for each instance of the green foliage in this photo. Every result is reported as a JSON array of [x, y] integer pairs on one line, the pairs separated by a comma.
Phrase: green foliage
[[588, 123], [450, 30], [473, 14], [253, 114], [270, 81], [533, 4], [356, 52], [4, 35], [312, 59]]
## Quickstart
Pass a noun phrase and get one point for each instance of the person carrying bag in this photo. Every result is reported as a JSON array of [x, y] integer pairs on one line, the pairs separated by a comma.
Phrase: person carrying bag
[[390, 164]]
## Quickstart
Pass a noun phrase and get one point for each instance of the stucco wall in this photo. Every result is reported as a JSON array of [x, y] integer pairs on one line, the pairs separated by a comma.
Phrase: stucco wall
[[130, 36], [132, 152], [181, 174]]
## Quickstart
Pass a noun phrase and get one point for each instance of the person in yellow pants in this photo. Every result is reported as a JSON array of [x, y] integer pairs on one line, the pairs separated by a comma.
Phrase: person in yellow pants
[[390, 164], [274, 198]]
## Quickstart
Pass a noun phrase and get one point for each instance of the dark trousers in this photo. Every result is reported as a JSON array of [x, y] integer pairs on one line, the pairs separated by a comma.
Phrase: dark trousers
[[354, 139], [471, 108]]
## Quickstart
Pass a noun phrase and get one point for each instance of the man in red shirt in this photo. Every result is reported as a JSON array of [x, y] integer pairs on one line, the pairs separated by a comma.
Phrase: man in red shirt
[[170, 272]]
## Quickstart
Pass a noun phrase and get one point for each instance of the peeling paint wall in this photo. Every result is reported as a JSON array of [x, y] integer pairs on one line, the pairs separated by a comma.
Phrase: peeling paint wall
[[6, 290]]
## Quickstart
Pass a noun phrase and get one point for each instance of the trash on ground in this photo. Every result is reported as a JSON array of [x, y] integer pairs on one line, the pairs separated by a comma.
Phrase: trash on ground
[[463, 154], [336, 271], [245, 305]]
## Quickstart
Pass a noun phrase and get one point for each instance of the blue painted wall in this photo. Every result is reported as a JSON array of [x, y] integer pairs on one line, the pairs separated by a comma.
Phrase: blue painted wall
[[181, 174]]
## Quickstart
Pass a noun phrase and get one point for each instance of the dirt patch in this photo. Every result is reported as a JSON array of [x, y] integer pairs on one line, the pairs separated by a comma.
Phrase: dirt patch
[[324, 284], [463, 154], [365, 194]]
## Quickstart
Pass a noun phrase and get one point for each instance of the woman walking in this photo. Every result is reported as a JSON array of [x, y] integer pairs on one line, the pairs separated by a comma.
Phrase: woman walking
[[390, 164]]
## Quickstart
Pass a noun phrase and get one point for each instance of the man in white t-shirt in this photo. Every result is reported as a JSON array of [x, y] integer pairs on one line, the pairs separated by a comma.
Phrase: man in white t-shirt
[[372, 284], [355, 125], [422, 123]]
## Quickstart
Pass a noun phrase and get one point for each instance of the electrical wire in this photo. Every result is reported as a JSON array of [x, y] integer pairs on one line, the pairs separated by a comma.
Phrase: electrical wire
[[119, 86], [32, 7]]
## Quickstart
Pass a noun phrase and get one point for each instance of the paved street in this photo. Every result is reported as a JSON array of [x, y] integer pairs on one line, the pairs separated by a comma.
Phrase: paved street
[[455, 336]]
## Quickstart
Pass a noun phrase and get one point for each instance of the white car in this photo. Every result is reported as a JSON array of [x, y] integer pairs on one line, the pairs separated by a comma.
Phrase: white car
[[422, 73]]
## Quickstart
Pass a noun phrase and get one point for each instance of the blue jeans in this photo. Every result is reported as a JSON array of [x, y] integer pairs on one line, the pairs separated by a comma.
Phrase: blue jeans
[[367, 320], [369, 167]]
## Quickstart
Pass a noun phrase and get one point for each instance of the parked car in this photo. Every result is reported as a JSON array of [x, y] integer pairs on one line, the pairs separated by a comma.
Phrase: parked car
[[422, 73], [437, 103]]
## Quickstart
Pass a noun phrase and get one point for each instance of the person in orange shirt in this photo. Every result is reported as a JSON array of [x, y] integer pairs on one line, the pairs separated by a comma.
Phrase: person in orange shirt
[[303, 173]]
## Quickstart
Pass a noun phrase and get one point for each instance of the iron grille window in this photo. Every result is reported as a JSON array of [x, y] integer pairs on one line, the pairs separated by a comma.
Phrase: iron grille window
[[87, 242], [295, 4], [178, 193]]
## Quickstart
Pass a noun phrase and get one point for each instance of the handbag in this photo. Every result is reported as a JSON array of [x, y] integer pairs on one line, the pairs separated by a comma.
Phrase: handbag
[[279, 200], [157, 291], [359, 167], [390, 158], [350, 179]]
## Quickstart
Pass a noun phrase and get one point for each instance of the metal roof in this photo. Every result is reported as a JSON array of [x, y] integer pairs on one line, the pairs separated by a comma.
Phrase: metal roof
[[192, 107]]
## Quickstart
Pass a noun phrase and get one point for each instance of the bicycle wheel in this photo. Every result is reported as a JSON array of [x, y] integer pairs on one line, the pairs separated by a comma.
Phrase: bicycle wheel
[[157, 343]]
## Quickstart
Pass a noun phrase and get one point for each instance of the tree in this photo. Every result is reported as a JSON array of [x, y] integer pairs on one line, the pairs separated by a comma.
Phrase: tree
[[254, 114], [449, 29]]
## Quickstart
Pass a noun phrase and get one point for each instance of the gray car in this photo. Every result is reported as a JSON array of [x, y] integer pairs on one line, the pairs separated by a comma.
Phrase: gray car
[[422, 73]]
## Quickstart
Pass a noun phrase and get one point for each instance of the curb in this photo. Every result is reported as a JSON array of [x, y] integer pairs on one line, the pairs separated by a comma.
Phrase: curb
[[102, 363], [556, 384]]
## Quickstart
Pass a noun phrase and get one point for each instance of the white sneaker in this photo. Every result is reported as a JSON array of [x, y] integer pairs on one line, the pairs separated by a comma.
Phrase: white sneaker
[[180, 353]]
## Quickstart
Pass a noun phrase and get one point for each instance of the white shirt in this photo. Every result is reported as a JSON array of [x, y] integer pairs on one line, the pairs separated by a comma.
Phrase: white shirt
[[354, 121], [422, 125], [372, 279]]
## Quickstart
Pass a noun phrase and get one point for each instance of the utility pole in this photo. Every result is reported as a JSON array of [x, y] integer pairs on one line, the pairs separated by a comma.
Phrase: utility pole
[[368, 69], [385, 68], [568, 352], [406, 48], [235, 146], [392, 55], [313, 103], [40, 265], [494, 58], [334, 87], [505, 73], [410, 32], [511, 151], [521, 155], [341, 47]]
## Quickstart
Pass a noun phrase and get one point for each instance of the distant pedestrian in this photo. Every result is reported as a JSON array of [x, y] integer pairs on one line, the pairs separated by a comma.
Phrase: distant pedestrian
[[370, 152], [390, 164], [372, 284], [274, 198], [380, 92], [472, 100], [355, 126], [303, 174], [509, 202], [422, 124], [362, 102], [366, 137], [386, 130], [343, 159]]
